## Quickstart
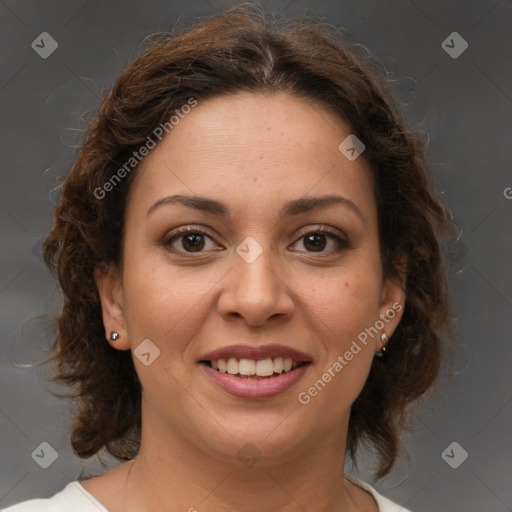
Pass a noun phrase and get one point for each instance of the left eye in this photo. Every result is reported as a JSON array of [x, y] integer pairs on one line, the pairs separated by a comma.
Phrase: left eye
[[193, 240], [317, 240]]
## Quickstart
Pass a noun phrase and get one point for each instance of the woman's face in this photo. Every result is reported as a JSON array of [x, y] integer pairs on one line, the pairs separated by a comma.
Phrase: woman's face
[[253, 272]]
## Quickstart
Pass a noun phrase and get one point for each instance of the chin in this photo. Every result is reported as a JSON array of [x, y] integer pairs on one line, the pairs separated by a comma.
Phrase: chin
[[265, 437]]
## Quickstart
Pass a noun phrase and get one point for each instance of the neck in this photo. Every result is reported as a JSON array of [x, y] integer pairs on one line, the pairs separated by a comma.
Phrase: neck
[[179, 476]]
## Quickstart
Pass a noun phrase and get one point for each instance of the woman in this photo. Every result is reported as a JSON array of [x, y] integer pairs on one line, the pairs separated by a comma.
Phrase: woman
[[248, 247]]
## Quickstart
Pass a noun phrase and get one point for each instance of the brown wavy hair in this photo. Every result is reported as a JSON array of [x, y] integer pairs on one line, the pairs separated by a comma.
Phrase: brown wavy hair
[[243, 49]]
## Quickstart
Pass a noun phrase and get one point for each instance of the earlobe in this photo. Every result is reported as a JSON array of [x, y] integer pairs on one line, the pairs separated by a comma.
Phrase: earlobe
[[109, 288], [391, 310]]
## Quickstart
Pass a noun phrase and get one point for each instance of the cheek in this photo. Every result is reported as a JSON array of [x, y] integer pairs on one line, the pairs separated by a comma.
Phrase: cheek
[[348, 306], [360, 301], [151, 298], [347, 302], [162, 301]]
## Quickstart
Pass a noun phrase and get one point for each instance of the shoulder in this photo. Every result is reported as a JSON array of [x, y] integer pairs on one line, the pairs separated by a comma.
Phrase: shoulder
[[385, 505], [72, 497]]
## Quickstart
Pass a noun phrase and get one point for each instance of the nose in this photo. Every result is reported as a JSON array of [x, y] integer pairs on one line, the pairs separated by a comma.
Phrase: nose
[[256, 290]]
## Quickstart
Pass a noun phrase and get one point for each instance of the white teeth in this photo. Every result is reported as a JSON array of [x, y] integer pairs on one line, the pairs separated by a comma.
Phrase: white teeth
[[232, 366], [264, 368], [247, 367], [260, 368], [278, 365]]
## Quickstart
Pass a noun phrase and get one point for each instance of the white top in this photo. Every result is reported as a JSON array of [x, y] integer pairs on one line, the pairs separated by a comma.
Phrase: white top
[[75, 498]]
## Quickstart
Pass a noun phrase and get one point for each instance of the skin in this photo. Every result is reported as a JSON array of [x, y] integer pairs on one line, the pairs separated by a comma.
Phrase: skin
[[253, 153]]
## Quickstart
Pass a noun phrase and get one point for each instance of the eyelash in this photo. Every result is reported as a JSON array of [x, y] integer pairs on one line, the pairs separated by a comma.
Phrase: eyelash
[[342, 243]]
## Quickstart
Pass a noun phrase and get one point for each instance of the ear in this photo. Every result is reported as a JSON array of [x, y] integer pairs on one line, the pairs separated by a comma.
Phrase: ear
[[108, 283], [391, 308]]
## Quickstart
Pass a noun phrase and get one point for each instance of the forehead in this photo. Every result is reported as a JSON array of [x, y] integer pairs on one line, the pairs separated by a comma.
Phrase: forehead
[[253, 147]]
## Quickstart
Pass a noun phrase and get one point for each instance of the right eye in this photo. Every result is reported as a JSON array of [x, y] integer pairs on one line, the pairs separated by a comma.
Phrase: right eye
[[192, 240]]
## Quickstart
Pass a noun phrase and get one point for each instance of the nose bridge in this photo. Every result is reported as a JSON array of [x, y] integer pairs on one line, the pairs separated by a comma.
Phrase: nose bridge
[[256, 268], [254, 289]]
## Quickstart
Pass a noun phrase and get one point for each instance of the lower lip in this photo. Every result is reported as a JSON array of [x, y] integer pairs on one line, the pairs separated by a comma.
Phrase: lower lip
[[257, 388]]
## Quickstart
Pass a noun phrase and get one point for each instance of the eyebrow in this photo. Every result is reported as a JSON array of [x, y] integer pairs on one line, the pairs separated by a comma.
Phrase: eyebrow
[[291, 208]]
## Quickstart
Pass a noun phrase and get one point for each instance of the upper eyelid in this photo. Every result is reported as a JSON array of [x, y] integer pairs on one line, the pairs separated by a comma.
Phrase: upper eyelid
[[192, 228], [322, 227]]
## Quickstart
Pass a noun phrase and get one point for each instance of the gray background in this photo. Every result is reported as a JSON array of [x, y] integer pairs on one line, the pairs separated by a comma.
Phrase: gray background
[[462, 105]]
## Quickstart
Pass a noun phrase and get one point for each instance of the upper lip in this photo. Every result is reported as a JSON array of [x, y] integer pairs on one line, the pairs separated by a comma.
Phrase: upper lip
[[241, 351]]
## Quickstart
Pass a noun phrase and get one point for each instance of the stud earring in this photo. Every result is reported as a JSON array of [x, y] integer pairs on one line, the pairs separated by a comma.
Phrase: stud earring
[[384, 338], [114, 336]]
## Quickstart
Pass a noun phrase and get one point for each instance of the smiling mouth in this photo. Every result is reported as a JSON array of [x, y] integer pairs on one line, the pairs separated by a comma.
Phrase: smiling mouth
[[255, 369]]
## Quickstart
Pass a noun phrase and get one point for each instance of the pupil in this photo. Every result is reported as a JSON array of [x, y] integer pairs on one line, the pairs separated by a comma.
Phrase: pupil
[[197, 241], [315, 239]]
